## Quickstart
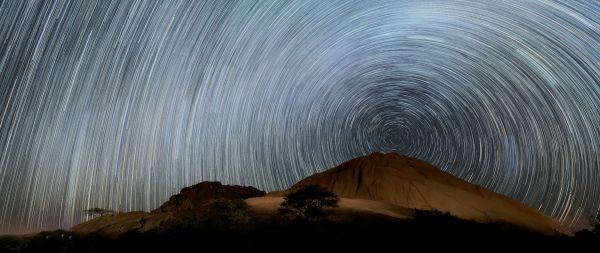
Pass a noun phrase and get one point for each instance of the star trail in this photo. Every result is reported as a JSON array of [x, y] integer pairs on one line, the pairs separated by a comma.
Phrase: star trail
[[120, 104]]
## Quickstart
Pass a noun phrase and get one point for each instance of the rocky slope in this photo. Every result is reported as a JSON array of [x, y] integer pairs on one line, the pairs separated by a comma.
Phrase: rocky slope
[[411, 183], [189, 201], [197, 195]]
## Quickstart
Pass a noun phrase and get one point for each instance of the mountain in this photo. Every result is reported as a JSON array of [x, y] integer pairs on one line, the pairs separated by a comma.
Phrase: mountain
[[378, 185], [411, 183]]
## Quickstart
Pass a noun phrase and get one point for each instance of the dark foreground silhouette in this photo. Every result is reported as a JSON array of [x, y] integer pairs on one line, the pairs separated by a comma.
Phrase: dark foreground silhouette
[[369, 233]]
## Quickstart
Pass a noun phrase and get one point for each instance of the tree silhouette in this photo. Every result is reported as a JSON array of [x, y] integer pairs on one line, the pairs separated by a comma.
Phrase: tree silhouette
[[596, 223], [307, 202]]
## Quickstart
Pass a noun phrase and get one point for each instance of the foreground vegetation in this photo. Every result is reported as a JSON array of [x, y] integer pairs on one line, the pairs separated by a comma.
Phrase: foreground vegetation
[[242, 231]]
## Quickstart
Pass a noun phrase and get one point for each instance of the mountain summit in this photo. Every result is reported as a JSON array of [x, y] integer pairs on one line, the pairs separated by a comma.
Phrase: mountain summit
[[411, 183]]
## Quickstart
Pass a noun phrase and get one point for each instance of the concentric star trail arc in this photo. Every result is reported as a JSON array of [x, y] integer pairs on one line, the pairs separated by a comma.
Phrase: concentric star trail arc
[[119, 104]]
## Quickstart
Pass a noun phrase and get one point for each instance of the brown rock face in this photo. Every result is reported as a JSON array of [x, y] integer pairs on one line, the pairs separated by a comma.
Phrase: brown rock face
[[191, 200], [412, 183], [199, 194]]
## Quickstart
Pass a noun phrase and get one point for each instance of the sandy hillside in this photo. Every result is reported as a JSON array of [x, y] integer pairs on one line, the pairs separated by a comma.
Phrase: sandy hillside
[[269, 205], [412, 183]]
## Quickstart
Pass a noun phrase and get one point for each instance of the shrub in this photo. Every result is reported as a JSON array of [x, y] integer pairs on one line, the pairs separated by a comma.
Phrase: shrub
[[307, 202]]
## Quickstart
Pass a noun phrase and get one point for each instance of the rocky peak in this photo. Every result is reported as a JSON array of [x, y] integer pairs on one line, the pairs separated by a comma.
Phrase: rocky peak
[[199, 194]]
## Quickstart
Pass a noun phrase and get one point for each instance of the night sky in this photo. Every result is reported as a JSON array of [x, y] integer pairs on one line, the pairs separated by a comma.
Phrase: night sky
[[120, 104]]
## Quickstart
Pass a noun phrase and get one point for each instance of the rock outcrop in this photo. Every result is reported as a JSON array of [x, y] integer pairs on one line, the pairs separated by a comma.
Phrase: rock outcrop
[[196, 196], [190, 201]]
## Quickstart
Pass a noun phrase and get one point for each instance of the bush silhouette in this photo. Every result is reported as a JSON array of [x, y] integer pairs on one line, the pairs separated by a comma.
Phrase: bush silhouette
[[596, 224], [223, 213], [307, 202]]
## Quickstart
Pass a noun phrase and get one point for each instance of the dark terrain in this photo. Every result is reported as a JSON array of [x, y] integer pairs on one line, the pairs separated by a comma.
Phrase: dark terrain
[[427, 231]]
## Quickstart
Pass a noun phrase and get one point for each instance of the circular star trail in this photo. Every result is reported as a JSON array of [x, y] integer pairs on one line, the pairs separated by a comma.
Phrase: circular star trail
[[119, 104]]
